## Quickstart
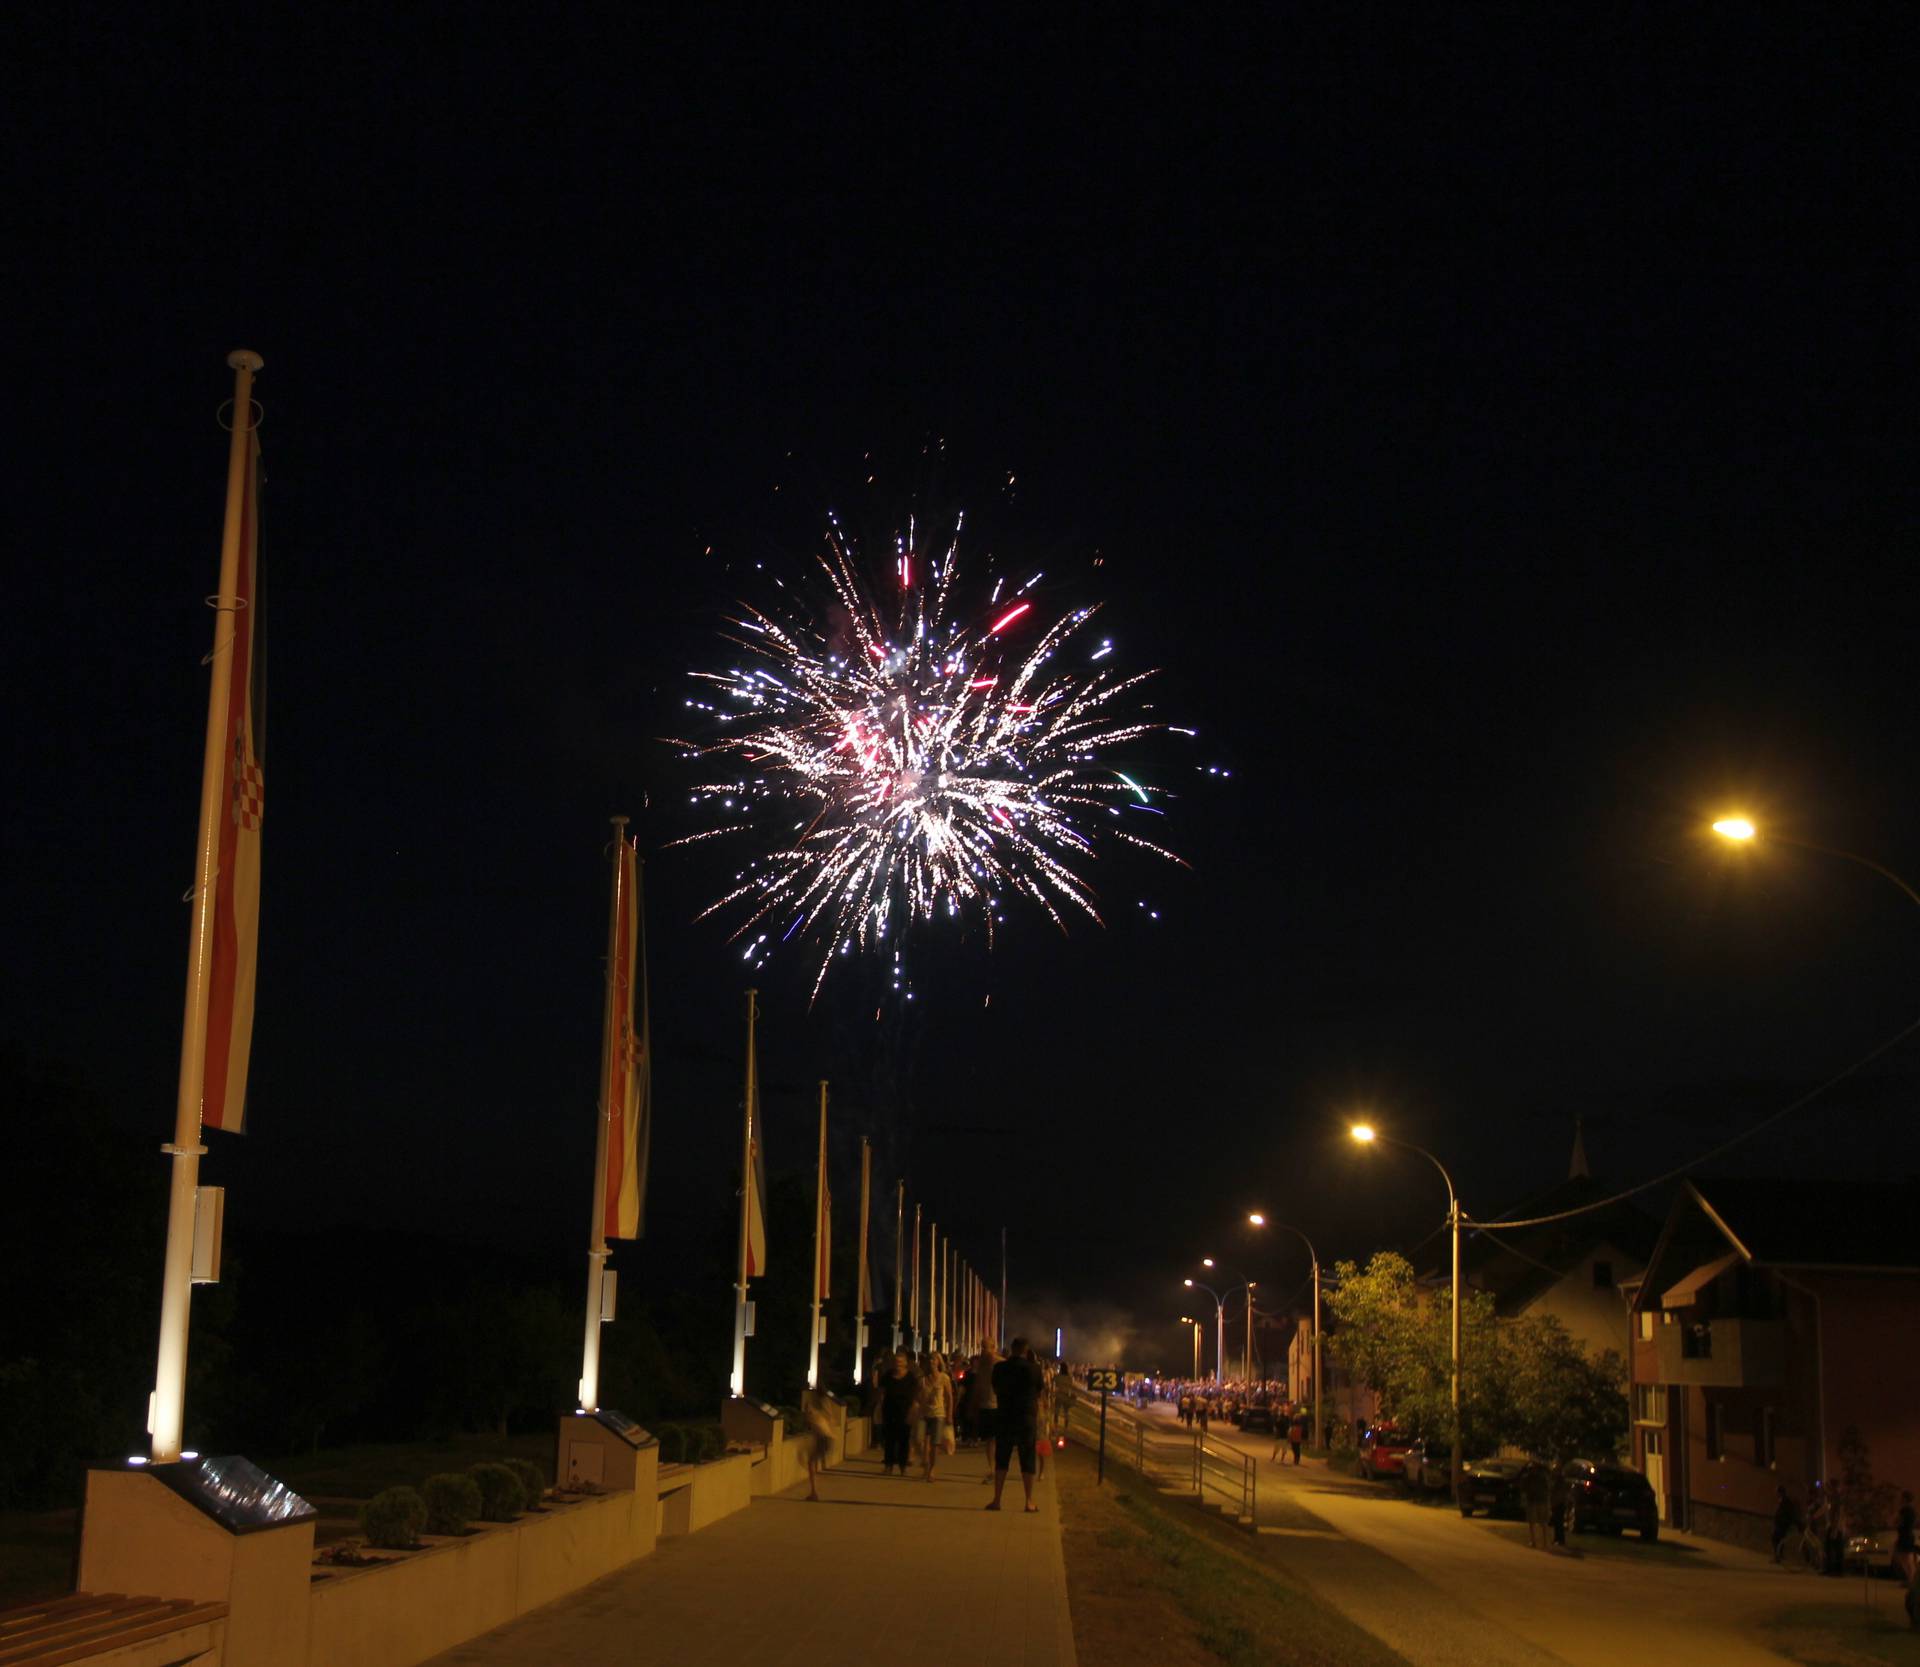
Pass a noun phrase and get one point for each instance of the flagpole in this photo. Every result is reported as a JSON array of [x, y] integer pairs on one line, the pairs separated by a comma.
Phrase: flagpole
[[1001, 1312], [739, 1378], [899, 1267], [597, 1241], [861, 1295], [819, 1226], [913, 1306], [166, 1414]]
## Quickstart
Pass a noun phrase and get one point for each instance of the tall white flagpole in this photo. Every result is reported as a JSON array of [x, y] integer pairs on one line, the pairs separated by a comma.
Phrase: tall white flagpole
[[1000, 1313], [861, 1295], [739, 1378], [609, 1040], [899, 1222], [913, 1314], [166, 1414], [819, 1247]]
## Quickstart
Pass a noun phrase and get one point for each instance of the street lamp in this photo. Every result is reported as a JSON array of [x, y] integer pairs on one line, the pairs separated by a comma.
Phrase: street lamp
[[1219, 1321], [1739, 830], [1366, 1134], [1258, 1220], [1188, 1319]]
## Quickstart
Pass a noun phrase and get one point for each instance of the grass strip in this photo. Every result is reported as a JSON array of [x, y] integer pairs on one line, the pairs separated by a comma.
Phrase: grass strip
[[1144, 1567]]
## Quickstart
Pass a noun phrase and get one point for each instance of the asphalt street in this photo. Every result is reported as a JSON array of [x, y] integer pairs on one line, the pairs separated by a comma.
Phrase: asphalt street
[[1449, 1591]]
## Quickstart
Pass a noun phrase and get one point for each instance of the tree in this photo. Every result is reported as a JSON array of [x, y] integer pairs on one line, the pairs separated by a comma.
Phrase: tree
[[1523, 1383]]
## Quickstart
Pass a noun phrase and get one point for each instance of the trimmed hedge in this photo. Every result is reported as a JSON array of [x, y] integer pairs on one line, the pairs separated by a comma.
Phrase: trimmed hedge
[[452, 1501], [673, 1443], [501, 1494], [532, 1482], [393, 1519], [708, 1442]]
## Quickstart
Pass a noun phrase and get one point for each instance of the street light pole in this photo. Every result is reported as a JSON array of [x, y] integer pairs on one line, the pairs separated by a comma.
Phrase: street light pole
[[1188, 1319], [1319, 1431], [1220, 1329], [1366, 1134]]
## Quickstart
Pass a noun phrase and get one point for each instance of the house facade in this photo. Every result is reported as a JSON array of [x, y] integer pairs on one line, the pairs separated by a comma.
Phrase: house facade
[[1774, 1319]]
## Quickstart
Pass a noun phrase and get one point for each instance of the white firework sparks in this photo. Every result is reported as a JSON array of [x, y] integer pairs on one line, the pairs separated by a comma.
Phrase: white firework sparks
[[906, 764]]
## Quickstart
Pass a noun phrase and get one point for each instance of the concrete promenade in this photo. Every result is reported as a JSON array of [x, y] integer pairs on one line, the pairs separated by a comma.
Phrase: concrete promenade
[[881, 1563]]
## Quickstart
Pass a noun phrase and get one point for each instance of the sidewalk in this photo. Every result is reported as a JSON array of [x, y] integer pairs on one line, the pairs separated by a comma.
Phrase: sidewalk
[[882, 1563]]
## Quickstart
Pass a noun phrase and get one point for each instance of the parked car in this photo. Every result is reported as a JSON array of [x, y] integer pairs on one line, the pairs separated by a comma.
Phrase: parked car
[[1258, 1416], [1871, 1553], [1429, 1466], [1493, 1486], [1607, 1497], [1383, 1452]]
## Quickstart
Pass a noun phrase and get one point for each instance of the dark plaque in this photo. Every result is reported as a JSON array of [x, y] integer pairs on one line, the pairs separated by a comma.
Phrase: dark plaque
[[235, 1492]]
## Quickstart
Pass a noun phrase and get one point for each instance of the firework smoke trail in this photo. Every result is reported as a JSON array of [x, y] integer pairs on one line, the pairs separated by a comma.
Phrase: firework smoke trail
[[919, 763]]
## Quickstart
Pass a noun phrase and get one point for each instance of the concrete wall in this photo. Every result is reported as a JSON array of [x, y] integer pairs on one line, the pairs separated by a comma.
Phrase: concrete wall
[[694, 1496], [141, 1538]]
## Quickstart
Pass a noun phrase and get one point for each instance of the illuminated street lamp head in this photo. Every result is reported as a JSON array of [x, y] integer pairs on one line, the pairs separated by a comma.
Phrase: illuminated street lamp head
[[1256, 1220], [1188, 1283], [1362, 1132], [1206, 1261], [1734, 827]]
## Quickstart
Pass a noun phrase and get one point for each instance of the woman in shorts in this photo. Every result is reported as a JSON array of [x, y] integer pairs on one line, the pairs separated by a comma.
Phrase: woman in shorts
[[939, 1417]]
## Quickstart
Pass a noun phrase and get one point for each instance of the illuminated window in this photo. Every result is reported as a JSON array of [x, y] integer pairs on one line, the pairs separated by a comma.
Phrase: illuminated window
[[1646, 1325]]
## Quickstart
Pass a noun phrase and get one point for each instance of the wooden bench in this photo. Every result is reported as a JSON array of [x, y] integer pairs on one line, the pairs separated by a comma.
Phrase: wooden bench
[[88, 1624]]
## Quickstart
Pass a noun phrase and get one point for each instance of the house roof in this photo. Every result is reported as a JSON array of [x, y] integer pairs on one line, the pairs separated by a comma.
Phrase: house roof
[[1817, 1224], [1697, 1281], [1518, 1265]]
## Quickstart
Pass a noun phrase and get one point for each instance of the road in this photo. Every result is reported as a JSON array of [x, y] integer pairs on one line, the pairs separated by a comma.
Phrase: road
[[1450, 1592]]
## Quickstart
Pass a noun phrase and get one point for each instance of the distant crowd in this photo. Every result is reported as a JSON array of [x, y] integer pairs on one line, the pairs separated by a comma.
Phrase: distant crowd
[[1014, 1405]]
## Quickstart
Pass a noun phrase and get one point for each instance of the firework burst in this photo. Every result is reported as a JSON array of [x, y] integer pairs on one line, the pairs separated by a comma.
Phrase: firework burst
[[908, 756]]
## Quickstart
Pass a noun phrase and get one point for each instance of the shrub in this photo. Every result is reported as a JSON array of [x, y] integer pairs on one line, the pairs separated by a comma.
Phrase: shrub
[[707, 1442], [673, 1443], [501, 1494], [393, 1519], [794, 1420], [452, 1501], [532, 1483]]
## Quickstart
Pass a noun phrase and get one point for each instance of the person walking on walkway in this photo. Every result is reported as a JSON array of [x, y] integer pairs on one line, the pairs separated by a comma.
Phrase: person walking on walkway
[[1016, 1388], [897, 1392], [939, 1419], [1903, 1539], [1560, 1504], [1786, 1517], [982, 1402], [816, 1440], [1537, 1491]]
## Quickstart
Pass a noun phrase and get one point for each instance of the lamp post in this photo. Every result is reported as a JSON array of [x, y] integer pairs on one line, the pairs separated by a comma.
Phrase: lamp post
[[1220, 1326], [1188, 1319], [1740, 831], [1366, 1134], [1246, 1355], [1258, 1220]]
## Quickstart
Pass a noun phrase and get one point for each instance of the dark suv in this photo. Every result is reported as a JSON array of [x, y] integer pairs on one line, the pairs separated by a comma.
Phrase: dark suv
[[1608, 1497]]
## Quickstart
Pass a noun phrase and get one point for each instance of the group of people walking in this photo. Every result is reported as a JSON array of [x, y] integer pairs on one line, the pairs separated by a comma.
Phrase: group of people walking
[[931, 1406]]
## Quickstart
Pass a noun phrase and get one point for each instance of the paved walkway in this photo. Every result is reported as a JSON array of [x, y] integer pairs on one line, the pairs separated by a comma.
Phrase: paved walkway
[[882, 1563]]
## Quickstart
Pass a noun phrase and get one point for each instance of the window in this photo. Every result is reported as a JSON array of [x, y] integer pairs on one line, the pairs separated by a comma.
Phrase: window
[[1649, 1403], [1646, 1325], [1716, 1430], [1765, 1433], [1603, 1276]]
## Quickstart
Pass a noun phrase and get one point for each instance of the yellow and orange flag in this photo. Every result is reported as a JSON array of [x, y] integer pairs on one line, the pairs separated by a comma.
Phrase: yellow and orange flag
[[236, 905], [627, 1070]]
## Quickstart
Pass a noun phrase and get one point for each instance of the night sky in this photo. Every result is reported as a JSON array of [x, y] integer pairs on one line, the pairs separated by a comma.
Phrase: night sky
[[1499, 426]]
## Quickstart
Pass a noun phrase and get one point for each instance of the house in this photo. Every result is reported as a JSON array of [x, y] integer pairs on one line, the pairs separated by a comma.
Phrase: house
[[1572, 1269], [1774, 1317], [1347, 1403]]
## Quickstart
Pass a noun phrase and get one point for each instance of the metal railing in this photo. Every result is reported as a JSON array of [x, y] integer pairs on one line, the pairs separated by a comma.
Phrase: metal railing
[[1172, 1458]]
